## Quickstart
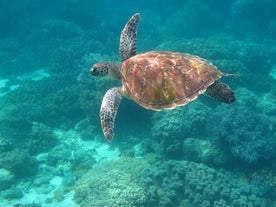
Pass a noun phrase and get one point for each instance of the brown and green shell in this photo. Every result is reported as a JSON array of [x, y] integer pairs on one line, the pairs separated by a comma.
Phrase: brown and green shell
[[164, 80]]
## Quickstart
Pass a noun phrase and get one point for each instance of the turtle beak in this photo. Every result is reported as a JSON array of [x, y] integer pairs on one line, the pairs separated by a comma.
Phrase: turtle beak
[[94, 70]]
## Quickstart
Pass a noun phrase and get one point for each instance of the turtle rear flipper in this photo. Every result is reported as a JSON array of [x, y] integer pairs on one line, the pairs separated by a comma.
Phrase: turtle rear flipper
[[109, 108], [221, 92]]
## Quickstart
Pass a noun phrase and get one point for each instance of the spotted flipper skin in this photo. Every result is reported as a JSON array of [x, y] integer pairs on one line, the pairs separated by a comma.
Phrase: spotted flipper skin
[[109, 108], [129, 38], [221, 92]]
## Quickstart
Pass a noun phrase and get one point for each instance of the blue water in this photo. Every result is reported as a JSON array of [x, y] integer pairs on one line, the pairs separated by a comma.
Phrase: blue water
[[206, 153]]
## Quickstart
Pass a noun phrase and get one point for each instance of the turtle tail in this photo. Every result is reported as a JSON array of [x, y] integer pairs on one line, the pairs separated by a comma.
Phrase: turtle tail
[[230, 74]]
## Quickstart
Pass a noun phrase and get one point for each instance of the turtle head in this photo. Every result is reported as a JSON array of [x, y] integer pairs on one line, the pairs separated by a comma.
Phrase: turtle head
[[100, 69], [106, 68]]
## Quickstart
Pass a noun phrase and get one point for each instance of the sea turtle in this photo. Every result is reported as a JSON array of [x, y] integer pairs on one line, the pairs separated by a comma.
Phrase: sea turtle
[[156, 80]]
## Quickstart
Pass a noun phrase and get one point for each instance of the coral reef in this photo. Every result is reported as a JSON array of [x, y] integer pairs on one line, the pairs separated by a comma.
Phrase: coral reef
[[171, 127], [59, 154], [86, 130], [246, 133], [48, 101], [205, 151], [267, 104], [12, 193], [41, 139], [6, 144], [27, 205], [267, 177], [188, 184], [63, 63], [59, 107], [69, 157], [112, 183], [14, 129], [31, 111], [18, 128], [19, 162]]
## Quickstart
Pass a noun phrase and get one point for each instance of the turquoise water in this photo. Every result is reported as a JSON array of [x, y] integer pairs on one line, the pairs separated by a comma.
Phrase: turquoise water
[[203, 154]]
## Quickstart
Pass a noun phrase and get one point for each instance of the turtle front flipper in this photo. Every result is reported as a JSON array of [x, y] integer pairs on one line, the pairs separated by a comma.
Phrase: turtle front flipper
[[221, 92], [109, 108], [129, 38]]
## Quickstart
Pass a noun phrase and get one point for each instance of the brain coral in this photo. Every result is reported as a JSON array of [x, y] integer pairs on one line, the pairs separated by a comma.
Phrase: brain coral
[[112, 183]]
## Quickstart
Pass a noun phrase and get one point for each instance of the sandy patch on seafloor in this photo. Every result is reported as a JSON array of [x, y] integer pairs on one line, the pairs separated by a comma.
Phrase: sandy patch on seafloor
[[34, 197]]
